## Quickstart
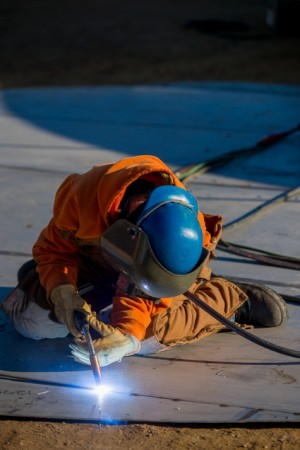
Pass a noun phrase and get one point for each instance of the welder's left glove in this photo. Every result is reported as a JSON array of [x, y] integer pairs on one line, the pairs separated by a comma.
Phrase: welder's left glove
[[112, 347]]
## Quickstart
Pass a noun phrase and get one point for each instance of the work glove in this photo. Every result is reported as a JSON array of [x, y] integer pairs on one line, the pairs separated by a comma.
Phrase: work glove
[[66, 301], [112, 347]]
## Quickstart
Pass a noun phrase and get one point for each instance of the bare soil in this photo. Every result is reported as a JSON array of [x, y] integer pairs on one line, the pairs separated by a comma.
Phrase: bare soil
[[70, 42]]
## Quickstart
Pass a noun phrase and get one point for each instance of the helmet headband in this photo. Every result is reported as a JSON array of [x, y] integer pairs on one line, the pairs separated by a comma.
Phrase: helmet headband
[[167, 194]]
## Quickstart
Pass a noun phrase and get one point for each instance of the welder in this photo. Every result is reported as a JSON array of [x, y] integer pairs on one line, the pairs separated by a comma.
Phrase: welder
[[132, 232]]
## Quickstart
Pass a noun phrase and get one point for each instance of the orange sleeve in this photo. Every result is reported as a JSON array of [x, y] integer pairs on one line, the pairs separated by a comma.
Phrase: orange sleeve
[[133, 315], [206, 233], [56, 258]]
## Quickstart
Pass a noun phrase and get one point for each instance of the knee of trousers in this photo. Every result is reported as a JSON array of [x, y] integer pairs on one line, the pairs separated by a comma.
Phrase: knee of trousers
[[186, 322], [29, 319]]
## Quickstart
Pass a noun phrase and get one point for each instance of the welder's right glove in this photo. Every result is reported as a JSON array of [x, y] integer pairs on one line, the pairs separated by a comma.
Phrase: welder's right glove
[[111, 347], [66, 301]]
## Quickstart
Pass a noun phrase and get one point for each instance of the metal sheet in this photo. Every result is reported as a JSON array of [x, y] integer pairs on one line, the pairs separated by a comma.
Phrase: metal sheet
[[223, 378], [220, 379]]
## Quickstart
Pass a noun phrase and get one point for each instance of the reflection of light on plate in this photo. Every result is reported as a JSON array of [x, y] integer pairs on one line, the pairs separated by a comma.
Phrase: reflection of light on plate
[[102, 390]]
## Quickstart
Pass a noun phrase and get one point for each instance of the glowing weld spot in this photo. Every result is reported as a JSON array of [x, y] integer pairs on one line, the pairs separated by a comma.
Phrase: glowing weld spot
[[102, 390]]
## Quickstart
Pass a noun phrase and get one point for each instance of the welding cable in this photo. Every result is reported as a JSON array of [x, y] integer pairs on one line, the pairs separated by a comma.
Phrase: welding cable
[[7, 376], [283, 197], [13, 253], [204, 166], [263, 256], [260, 255], [288, 298], [242, 332]]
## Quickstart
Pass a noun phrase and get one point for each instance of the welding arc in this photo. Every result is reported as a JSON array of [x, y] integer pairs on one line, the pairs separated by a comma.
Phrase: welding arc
[[251, 337]]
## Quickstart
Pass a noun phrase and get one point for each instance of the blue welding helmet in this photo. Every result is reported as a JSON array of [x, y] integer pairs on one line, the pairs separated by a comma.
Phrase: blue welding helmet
[[161, 254], [170, 221]]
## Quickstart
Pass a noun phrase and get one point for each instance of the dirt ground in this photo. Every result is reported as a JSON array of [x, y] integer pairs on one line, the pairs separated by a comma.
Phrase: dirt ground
[[70, 42]]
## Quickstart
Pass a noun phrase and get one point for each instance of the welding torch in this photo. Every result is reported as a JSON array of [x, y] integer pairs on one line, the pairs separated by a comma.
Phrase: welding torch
[[84, 328]]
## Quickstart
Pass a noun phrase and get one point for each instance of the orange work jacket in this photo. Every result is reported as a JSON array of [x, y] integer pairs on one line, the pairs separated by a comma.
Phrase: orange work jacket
[[85, 206]]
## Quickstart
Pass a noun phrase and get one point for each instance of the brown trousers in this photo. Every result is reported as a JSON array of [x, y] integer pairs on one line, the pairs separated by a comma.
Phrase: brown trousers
[[186, 322]]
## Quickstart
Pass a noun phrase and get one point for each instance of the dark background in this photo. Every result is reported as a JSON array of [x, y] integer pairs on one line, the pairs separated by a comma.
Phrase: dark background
[[72, 42]]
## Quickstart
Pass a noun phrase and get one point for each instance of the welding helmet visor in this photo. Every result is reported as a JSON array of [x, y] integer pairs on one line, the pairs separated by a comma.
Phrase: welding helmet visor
[[127, 249], [148, 254]]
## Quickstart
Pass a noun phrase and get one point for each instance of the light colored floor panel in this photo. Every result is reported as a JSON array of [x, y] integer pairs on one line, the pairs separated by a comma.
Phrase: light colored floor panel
[[220, 379], [47, 133]]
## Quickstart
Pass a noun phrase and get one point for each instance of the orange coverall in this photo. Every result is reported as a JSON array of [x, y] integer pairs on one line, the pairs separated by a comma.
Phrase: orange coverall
[[86, 205]]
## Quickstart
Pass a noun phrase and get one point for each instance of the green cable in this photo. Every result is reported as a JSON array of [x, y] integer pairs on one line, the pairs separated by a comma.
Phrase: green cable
[[258, 254]]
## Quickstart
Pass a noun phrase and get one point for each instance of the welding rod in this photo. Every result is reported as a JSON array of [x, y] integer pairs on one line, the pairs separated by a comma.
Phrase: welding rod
[[84, 328], [93, 357]]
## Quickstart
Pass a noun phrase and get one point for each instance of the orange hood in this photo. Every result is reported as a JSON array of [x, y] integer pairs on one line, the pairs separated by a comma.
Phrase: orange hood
[[84, 207], [87, 204]]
